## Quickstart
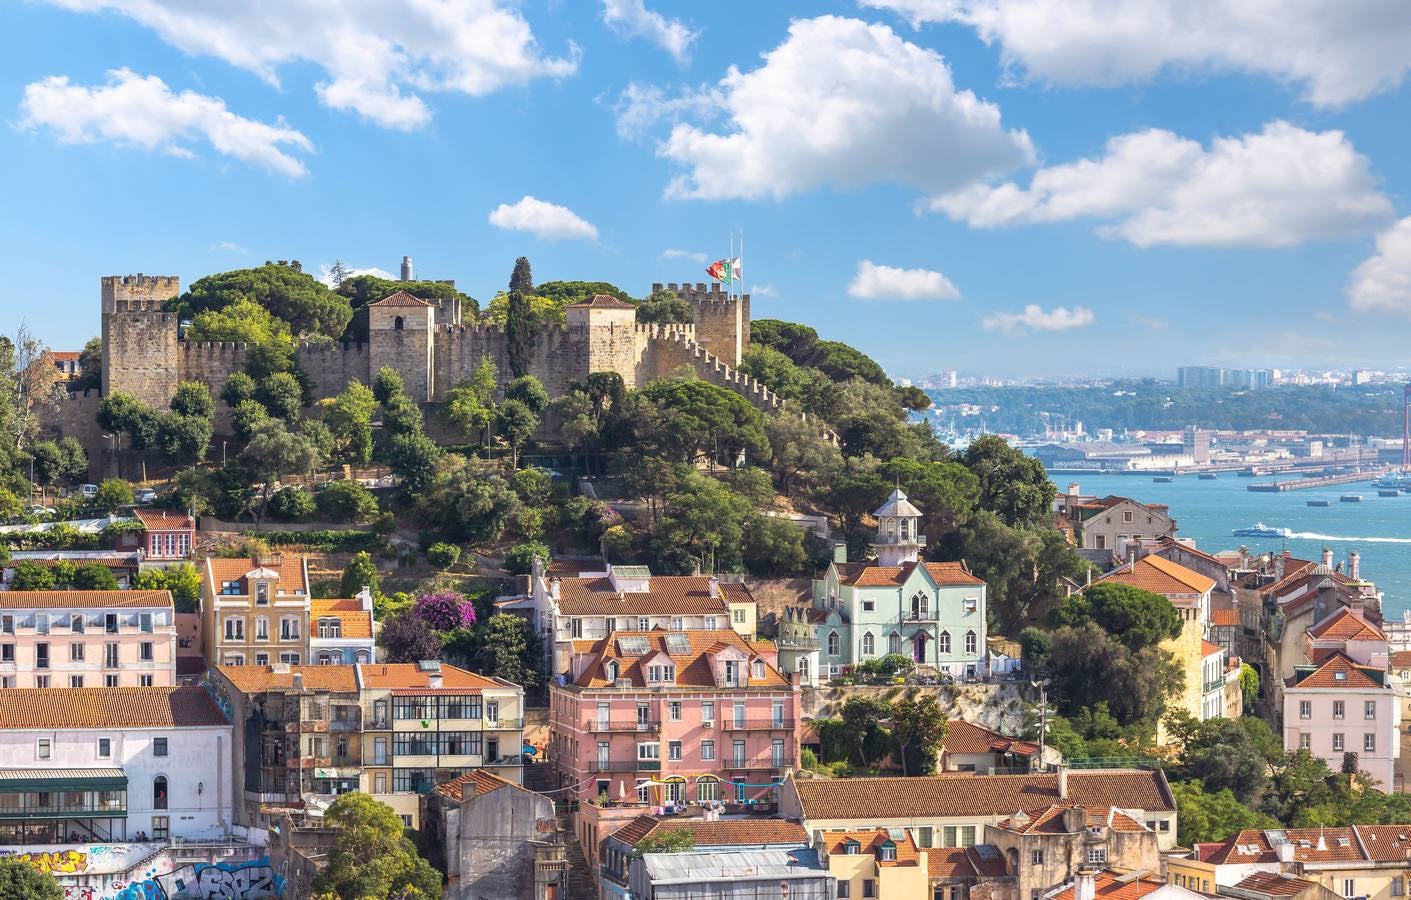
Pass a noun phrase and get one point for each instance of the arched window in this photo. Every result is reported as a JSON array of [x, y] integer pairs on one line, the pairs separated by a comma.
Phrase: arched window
[[612, 670], [330, 627], [833, 643], [159, 792], [869, 644], [262, 628], [893, 643], [943, 645], [969, 642], [364, 657], [759, 670], [920, 606], [398, 323]]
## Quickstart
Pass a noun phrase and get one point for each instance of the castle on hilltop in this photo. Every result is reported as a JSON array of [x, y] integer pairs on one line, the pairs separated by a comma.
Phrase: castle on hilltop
[[144, 353]]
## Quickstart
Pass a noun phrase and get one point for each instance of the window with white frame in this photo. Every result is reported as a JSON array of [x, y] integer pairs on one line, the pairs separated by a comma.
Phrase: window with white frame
[[1305, 709], [707, 749], [970, 642], [1369, 709], [707, 710], [834, 643], [710, 623], [943, 642], [1097, 856], [869, 644], [1369, 743], [330, 627], [1339, 709], [1337, 742], [660, 674], [289, 628], [234, 628]]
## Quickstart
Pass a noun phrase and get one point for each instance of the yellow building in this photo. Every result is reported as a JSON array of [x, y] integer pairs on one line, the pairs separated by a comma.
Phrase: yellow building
[[878, 862], [1367, 862], [255, 611]]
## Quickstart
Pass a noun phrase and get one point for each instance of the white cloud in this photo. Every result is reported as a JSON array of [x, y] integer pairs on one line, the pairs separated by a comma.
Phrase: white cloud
[[374, 54], [1383, 281], [640, 107], [1033, 318], [326, 273], [547, 221], [764, 290], [134, 111], [842, 103], [633, 19], [874, 282], [1281, 187], [673, 253], [227, 247], [1338, 52]]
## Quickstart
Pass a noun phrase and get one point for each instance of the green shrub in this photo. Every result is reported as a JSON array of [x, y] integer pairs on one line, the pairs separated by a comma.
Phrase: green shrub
[[346, 501], [520, 559], [443, 555], [292, 504], [326, 541]]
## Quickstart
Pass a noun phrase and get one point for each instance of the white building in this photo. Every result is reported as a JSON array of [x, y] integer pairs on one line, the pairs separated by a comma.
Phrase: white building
[[120, 765]]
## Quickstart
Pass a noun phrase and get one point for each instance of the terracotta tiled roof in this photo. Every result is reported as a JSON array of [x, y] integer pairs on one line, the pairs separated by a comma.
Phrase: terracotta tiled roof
[[693, 668], [1224, 617], [164, 519], [254, 679], [967, 737], [601, 301], [1337, 672], [85, 599], [870, 840], [357, 622], [1166, 542], [1385, 842], [1401, 659], [1275, 884], [401, 298], [1049, 820], [64, 355], [1160, 576], [720, 833], [121, 707], [409, 677], [670, 595], [1114, 887], [978, 795], [1209, 649], [475, 783], [1346, 625], [290, 568], [1332, 844], [868, 575]]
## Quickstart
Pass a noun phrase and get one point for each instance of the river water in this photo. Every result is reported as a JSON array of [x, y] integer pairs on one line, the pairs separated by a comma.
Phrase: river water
[[1379, 528]]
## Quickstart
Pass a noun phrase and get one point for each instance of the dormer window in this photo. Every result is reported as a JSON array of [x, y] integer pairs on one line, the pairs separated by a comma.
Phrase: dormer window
[[662, 674], [759, 670], [611, 670], [852, 848], [887, 852], [230, 588]]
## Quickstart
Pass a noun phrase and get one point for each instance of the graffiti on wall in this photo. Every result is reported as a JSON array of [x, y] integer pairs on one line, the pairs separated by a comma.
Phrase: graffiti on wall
[[56, 862], [251, 879]]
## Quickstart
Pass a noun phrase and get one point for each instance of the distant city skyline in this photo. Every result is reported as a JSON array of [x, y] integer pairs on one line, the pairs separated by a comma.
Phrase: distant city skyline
[[957, 194]]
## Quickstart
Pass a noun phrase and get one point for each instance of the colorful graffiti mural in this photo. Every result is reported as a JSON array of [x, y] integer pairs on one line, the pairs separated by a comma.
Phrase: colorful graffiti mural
[[56, 862], [250, 879]]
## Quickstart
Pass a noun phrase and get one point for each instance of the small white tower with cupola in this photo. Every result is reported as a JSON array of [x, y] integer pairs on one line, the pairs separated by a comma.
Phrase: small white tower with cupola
[[899, 539]]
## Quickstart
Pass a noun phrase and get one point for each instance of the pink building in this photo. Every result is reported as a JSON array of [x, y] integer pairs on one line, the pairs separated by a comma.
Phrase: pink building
[[166, 536], [669, 717], [1339, 709], [87, 639]]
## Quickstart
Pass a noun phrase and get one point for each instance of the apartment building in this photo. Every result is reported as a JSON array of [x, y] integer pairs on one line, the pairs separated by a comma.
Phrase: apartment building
[[876, 863], [1344, 712], [1360, 862], [255, 611], [87, 639], [674, 717], [341, 632], [1046, 847], [1112, 523]]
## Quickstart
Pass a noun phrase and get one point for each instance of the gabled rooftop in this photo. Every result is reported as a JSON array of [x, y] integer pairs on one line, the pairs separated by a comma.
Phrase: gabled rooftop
[[401, 299], [1346, 624], [691, 652], [120, 707], [717, 833], [945, 574], [85, 600], [1160, 576], [1338, 671]]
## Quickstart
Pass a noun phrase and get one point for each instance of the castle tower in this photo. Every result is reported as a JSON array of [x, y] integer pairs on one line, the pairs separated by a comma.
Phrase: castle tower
[[401, 334], [141, 355], [722, 321], [898, 531], [610, 327]]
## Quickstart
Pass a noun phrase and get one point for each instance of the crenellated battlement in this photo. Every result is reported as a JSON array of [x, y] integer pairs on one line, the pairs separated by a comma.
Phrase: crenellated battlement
[[138, 293], [195, 347]]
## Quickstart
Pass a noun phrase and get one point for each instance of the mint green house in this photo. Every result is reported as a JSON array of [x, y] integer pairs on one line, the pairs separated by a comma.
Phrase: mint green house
[[932, 612]]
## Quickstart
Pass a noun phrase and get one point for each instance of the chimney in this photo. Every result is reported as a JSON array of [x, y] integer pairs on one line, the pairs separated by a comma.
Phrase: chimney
[[1131, 553], [1084, 886], [1072, 488], [1354, 565], [714, 586], [840, 552], [1062, 782], [1327, 558], [364, 598], [298, 681], [406, 268], [435, 681], [1285, 852], [555, 588]]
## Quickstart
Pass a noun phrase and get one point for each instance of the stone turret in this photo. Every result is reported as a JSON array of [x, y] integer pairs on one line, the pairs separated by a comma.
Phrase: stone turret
[[722, 321], [400, 335], [140, 352], [898, 531]]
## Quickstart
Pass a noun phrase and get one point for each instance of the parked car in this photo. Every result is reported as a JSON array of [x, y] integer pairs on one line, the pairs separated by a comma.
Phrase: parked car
[[89, 491], [145, 496], [37, 510]]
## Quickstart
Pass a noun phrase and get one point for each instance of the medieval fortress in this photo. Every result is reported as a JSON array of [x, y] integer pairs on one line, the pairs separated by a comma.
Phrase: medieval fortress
[[431, 347]]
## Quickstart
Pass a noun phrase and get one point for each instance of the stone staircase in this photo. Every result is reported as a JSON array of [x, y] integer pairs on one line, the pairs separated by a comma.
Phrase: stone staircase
[[539, 777], [582, 882]]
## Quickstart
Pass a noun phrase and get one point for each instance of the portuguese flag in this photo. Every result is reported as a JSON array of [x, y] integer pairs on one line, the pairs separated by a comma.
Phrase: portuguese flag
[[725, 270]]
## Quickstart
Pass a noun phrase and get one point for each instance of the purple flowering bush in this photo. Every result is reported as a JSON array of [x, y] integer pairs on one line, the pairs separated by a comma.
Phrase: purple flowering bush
[[444, 611]]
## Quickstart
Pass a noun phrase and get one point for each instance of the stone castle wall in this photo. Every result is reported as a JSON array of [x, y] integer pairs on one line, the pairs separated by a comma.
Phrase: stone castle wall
[[139, 339], [331, 366]]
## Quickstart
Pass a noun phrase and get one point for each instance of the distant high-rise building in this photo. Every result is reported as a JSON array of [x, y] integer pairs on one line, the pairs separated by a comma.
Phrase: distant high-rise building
[[949, 379], [1211, 376]]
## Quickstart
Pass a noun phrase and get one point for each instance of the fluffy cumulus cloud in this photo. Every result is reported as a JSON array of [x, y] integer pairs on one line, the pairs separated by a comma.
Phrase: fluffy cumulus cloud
[[375, 54], [673, 253], [1337, 53], [136, 111], [1281, 187], [548, 221], [874, 282], [1383, 281], [632, 19], [1035, 318], [841, 103]]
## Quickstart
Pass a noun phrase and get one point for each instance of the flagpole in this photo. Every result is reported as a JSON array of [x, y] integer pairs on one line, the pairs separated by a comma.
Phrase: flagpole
[[741, 296]]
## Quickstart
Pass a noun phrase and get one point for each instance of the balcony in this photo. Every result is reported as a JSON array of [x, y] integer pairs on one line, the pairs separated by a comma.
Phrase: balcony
[[756, 725], [1216, 685], [791, 643], [625, 765], [924, 615], [603, 726], [736, 764], [504, 724], [310, 762], [892, 539]]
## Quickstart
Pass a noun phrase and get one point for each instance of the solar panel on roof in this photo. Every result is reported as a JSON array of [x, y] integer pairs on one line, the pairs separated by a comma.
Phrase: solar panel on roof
[[896, 834], [632, 646], [986, 851], [678, 644], [1276, 836]]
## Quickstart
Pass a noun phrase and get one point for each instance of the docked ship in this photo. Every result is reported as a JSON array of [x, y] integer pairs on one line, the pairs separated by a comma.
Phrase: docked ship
[[1399, 480], [1259, 529]]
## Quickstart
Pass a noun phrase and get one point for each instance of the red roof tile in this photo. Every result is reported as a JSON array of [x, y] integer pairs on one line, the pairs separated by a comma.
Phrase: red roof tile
[[1275, 884], [255, 679], [1160, 576], [289, 567], [164, 519], [357, 622], [869, 840], [967, 737], [693, 668], [678, 595], [85, 599], [720, 833], [601, 301], [1346, 625], [869, 575], [121, 707], [400, 298], [1224, 617], [411, 678], [476, 783], [1114, 887], [1337, 672]]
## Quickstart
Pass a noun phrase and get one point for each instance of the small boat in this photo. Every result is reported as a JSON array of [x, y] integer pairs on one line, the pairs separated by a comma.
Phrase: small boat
[[1350, 498], [1318, 503], [1259, 529], [1208, 476], [1388, 492], [1399, 480], [1163, 479]]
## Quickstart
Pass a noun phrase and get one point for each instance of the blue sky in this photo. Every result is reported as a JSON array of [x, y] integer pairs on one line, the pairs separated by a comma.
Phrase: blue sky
[[1003, 187]]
